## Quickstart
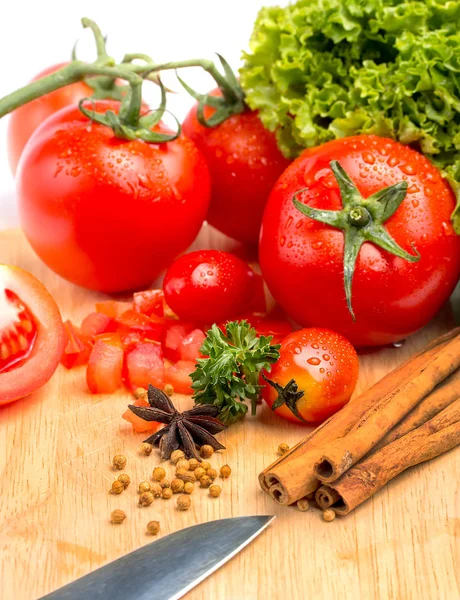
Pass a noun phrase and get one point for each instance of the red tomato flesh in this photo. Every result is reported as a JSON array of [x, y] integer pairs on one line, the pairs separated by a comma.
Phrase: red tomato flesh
[[150, 302], [105, 366], [77, 350], [152, 328], [94, 324], [191, 344], [178, 376], [175, 334], [144, 365], [139, 424], [31, 334], [113, 308]]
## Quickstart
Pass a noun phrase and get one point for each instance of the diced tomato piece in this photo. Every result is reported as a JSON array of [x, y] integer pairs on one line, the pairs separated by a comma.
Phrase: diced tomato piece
[[131, 339], [191, 344], [150, 302], [258, 302], [113, 308], [178, 376], [139, 424], [152, 328], [96, 323], [144, 365], [77, 350], [176, 332], [105, 365]]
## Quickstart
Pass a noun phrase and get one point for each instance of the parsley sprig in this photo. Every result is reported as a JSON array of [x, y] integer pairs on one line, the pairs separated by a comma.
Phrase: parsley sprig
[[229, 376]]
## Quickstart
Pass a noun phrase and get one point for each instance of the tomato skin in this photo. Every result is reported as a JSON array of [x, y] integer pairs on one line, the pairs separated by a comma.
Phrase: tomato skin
[[43, 359], [324, 365], [105, 213], [302, 260], [178, 375], [25, 119], [208, 285], [244, 162], [105, 366]]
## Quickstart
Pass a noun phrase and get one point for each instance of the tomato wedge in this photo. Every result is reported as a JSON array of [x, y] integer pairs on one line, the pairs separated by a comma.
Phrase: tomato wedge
[[31, 334]]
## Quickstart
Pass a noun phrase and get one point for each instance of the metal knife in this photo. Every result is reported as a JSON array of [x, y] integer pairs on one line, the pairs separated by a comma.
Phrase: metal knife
[[169, 568]]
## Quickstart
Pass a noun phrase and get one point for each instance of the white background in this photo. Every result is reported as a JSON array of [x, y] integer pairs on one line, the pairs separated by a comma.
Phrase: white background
[[35, 34]]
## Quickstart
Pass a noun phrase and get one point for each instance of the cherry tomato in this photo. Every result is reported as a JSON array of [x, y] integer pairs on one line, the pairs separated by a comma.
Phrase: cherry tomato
[[139, 424], [77, 348], [144, 365], [208, 285], [105, 365], [25, 119], [302, 260], [31, 334], [244, 162], [324, 367], [105, 213], [178, 376]]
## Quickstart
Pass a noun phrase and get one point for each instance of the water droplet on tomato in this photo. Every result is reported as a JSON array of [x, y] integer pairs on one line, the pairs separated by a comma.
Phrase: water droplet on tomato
[[413, 189], [282, 240], [297, 350], [289, 222], [317, 245], [407, 169], [315, 346], [326, 357], [368, 158], [428, 191], [392, 161], [289, 245], [322, 370], [313, 361], [415, 203]]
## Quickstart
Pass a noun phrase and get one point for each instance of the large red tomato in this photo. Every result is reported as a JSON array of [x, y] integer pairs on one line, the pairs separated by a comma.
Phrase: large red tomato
[[244, 162], [31, 334], [106, 213], [302, 260], [25, 119]]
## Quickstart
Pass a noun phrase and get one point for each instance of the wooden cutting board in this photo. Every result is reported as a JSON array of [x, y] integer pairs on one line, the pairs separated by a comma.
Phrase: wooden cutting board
[[55, 455]]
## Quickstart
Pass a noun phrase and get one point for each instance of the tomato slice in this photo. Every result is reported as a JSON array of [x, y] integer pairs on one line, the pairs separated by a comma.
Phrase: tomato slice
[[139, 424], [178, 376], [144, 365], [149, 302], [96, 323], [77, 350], [105, 365], [113, 308], [191, 344], [152, 328], [31, 334]]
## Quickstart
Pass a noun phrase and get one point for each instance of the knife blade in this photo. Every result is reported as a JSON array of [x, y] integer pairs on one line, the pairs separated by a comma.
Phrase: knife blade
[[169, 568]]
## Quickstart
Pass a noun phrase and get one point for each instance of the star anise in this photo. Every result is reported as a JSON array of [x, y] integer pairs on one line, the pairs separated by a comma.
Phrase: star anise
[[187, 430]]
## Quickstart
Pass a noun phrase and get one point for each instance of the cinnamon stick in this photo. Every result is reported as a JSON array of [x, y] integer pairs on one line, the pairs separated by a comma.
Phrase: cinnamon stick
[[343, 453], [436, 436], [291, 476]]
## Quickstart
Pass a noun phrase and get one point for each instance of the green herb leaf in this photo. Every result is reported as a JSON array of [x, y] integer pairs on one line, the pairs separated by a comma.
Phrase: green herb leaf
[[230, 375]]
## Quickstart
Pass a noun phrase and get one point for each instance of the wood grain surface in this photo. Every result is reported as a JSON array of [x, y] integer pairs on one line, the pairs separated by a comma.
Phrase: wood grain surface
[[55, 455]]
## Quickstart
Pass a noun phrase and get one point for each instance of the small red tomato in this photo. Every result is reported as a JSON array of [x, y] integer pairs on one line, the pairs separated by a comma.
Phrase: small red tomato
[[31, 334], [208, 286], [144, 365], [178, 376], [139, 424], [314, 377], [191, 344], [105, 365], [77, 348]]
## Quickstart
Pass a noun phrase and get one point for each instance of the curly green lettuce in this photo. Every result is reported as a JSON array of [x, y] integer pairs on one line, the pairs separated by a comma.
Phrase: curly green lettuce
[[324, 69]]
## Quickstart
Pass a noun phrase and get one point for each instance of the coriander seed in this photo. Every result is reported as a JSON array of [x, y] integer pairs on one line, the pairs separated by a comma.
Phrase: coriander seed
[[199, 472], [117, 516], [176, 456], [146, 498], [169, 390], [183, 464], [146, 449], [158, 474], [140, 393], [193, 464], [153, 527], [215, 491], [185, 475], [211, 473], [125, 480], [189, 487], [205, 481], [167, 493], [206, 451], [144, 486], [119, 461], [177, 486], [165, 484], [117, 487], [184, 502], [205, 465], [303, 504], [328, 515], [225, 471], [156, 489], [282, 449]]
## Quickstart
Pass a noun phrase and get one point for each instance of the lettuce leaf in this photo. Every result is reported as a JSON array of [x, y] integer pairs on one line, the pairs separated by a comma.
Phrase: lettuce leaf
[[324, 69]]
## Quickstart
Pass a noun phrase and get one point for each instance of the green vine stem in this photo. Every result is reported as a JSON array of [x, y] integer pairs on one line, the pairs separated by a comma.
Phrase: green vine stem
[[101, 76]]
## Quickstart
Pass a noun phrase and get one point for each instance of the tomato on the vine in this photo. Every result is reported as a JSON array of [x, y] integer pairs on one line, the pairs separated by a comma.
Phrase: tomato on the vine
[[25, 119], [31, 334], [399, 240], [106, 213], [314, 377], [244, 162], [209, 286]]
